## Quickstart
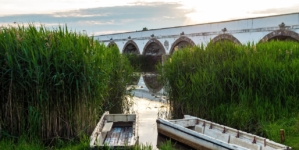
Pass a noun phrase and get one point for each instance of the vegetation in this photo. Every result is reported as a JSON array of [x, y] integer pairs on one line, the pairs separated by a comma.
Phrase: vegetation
[[55, 83], [143, 63], [144, 29], [248, 87], [83, 144], [168, 145]]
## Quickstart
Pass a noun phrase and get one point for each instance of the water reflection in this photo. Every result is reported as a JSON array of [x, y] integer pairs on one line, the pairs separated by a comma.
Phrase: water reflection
[[148, 87], [149, 102], [148, 111], [151, 82]]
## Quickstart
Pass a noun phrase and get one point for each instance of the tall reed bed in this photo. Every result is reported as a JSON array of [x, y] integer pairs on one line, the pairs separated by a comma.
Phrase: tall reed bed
[[54, 83], [240, 86]]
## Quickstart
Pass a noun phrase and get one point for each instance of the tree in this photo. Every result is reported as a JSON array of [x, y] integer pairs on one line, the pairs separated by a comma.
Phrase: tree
[[144, 29]]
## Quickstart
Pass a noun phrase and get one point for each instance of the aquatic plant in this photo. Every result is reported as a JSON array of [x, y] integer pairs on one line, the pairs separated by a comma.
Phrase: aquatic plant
[[55, 83], [241, 86]]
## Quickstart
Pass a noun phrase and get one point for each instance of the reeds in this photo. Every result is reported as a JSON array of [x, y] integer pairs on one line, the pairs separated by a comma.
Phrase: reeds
[[55, 83], [240, 86]]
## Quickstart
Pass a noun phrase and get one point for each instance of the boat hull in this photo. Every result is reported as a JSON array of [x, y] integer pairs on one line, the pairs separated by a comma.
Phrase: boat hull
[[191, 138], [203, 134]]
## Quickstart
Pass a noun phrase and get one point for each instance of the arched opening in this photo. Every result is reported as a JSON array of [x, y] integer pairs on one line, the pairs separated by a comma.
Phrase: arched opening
[[152, 54], [226, 37], [281, 35], [282, 38], [112, 44], [180, 43], [153, 47], [131, 48]]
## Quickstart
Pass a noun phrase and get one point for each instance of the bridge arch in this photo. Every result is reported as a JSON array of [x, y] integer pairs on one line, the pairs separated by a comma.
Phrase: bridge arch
[[153, 47], [131, 47], [112, 44], [226, 36], [181, 42], [281, 34]]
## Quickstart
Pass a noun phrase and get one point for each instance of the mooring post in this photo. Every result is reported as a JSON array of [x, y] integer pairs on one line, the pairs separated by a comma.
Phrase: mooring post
[[282, 137]]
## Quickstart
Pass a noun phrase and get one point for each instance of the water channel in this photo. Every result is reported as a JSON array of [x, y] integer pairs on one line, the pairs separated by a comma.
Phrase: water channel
[[150, 102]]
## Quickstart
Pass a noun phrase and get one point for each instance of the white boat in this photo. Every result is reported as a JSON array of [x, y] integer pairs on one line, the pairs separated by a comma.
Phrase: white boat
[[115, 130], [202, 134]]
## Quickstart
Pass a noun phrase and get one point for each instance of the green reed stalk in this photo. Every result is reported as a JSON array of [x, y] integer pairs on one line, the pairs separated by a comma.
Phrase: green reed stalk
[[238, 85], [55, 83]]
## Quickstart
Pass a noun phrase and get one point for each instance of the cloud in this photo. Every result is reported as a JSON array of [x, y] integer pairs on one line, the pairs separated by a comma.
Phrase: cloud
[[275, 11], [108, 19], [110, 32]]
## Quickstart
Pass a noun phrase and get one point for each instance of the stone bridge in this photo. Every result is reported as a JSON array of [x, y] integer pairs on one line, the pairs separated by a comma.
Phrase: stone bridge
[[166, 40]]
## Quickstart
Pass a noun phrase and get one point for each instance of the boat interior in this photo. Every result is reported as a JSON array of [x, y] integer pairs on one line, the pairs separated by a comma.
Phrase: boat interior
[[227, 134], [117, 130]]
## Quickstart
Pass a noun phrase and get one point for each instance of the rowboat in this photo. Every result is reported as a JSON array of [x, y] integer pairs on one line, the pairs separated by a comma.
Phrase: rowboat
[[115, 130], [202, 134]]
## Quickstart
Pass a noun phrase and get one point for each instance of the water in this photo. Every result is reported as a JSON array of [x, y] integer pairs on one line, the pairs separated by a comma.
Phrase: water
[[150, 103]]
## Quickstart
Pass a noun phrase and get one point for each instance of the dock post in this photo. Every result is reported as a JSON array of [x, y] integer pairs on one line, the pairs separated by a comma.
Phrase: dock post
[[282, 137]]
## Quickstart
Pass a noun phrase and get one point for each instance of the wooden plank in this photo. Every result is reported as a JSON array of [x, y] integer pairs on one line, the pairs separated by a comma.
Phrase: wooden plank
[[107, 127], [108, 138], [126, 136], [122, 136], [112, 137], [240, 142], [120, 117], [185, 122], [130, 131], [199, 129], [101, 138], [97, 130], [115, 136], [217, 134]]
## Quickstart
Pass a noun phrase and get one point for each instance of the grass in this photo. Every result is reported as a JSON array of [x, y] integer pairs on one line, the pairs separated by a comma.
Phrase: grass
[[83, 144], [22, 144], [168, 145], [291, 127], [252, 87]]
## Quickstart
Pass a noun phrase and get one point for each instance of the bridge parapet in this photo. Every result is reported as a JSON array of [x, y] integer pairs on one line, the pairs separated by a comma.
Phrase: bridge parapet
[[241, 31]]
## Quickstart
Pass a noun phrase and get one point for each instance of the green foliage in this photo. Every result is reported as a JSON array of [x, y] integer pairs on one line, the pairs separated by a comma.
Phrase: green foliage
[[21, 144], [144, 63], [241, 86], [166, 145], [83, 144], [144, 29], [290, 126], [56, 83]]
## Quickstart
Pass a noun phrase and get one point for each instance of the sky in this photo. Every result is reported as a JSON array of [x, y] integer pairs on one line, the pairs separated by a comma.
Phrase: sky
[[97, 17]]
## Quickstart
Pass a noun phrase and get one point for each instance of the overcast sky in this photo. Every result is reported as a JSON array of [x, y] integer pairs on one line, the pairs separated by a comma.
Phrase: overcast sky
[[112, 16]]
